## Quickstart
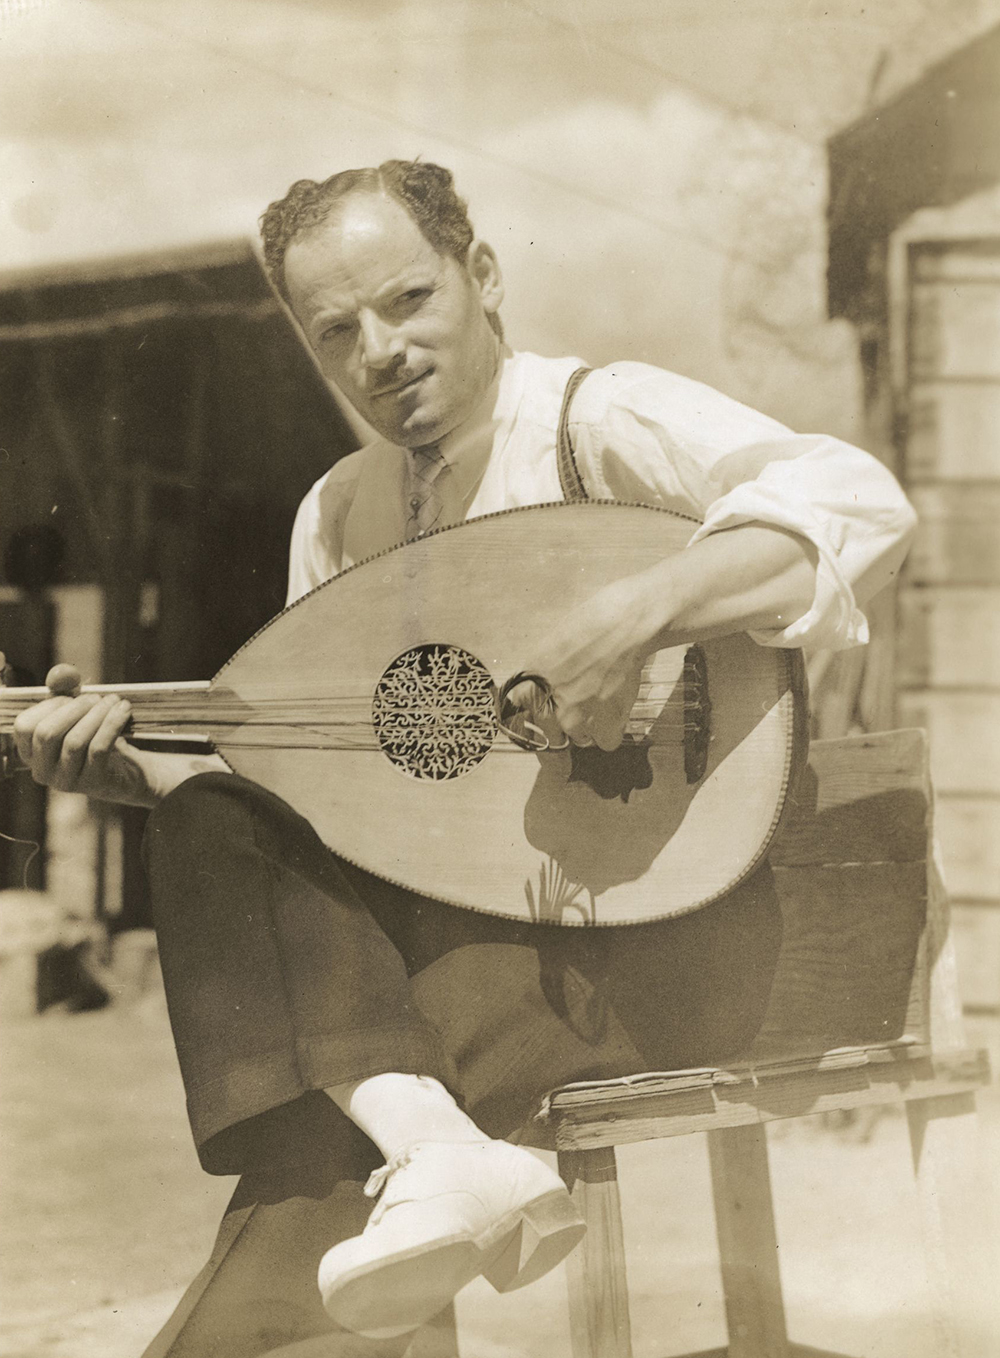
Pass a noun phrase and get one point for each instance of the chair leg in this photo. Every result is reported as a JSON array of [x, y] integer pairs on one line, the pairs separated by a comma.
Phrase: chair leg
[[748, 1244], [437, 1339], [598, 1290], [959, 1240]]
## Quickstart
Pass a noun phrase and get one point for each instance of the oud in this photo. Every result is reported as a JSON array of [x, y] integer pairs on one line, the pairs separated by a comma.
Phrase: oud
[[381, 707]]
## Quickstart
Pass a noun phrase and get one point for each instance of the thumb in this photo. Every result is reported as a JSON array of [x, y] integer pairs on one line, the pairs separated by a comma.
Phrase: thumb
[[64, 680]]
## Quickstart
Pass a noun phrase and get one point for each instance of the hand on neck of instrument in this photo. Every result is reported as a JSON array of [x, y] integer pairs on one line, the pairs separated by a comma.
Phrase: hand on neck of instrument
[[73, 742]]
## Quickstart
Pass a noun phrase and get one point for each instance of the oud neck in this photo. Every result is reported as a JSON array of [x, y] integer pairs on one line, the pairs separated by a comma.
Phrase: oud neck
[[158, 710]]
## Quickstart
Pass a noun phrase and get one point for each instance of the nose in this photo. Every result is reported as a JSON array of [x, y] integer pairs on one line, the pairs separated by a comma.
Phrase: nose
[[382, 344]]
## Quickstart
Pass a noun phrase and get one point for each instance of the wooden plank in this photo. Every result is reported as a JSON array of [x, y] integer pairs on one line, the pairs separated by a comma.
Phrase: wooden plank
[[968, 829], [957, 542], [851, 967], [976, 931], [952, 432], [957, 261], [880, 827], [748, 1243], [949, 637], [964, 734], [955, 329], [598, 1286], [794, 1351], [850, 873], [752, 1098], [852, 767]]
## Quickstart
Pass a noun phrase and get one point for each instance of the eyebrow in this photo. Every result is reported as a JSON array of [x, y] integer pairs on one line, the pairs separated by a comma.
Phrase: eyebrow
[[402, 282], [399, 283]]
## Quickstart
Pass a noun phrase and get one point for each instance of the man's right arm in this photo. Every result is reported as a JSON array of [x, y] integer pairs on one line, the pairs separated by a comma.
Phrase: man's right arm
[[74, 742]]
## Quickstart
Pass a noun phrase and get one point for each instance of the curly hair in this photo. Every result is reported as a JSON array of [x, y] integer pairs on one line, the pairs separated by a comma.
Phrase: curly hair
[[425, 190]]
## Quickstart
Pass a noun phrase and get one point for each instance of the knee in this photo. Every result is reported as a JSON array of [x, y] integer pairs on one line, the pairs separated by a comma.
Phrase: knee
[[201, 808], [221, 815], [190, 799]]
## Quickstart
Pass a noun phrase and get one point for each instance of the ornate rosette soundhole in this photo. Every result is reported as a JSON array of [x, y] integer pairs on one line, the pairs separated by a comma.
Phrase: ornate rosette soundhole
[[434, 712]]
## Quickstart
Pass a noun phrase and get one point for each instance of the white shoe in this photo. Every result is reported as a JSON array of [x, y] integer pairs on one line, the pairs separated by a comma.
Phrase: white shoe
[[450, 1211]]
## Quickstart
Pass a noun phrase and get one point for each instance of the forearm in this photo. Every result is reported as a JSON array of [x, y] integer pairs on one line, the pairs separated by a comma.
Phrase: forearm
[[750, 578], [146, 776]]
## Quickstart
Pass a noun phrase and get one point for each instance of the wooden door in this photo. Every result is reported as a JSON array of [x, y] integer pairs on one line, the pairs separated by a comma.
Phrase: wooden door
[[949, 639]]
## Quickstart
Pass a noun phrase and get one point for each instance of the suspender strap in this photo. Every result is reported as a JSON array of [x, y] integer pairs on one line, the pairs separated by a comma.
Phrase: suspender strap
[[569, 474]]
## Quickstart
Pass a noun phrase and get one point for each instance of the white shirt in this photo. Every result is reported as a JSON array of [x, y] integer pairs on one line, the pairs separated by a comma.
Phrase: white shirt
[[640, 434]]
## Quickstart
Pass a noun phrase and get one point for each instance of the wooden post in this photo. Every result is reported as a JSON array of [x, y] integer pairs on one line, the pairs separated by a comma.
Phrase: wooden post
[[437, 1339], [748, 1243], [598, 1287], [958, 1236]]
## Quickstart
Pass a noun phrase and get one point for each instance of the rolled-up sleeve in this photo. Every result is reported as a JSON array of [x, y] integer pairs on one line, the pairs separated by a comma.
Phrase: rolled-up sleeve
[[654, 437]]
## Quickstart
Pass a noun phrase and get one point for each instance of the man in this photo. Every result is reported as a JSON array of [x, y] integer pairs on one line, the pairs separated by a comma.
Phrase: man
[[323, 1017]]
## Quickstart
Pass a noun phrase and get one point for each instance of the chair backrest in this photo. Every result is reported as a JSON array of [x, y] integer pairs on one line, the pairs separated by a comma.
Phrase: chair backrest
[[851, 870]]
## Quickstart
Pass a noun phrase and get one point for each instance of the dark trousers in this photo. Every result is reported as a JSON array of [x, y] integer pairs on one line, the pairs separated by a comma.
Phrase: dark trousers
[[289, 970]]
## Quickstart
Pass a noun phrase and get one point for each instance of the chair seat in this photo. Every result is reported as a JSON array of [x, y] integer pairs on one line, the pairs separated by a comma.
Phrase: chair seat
[[592, 1113]]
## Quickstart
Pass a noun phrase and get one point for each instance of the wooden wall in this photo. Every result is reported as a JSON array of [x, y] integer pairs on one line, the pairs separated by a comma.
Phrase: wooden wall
[[948, 650]]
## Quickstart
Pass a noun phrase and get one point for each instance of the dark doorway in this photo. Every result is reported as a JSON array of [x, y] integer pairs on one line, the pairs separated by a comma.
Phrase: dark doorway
[[160, 420]]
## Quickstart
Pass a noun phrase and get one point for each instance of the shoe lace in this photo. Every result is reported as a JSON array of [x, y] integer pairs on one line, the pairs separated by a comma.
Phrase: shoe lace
[[378, 1178]]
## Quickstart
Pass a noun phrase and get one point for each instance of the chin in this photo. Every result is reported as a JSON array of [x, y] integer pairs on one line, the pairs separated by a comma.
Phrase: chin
[[428, 423], [423, 427]]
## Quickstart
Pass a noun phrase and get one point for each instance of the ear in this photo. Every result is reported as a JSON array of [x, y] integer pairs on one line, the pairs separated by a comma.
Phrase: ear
[[485, 273]]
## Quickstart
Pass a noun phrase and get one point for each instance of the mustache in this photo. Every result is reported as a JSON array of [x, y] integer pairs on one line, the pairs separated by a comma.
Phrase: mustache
[[399, 380]]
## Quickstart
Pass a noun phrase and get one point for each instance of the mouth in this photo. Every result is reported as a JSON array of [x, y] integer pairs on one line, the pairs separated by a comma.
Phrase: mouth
[[398, 388]]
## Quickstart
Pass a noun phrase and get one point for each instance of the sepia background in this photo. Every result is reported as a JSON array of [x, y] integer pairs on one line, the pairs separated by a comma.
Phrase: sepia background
[[796, 201]]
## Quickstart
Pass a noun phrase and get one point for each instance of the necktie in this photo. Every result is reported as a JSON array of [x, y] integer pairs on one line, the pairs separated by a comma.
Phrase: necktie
[[425, 504]]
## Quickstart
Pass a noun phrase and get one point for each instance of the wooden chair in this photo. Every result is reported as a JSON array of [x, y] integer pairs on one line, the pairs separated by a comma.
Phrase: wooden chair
[[864, 1009]]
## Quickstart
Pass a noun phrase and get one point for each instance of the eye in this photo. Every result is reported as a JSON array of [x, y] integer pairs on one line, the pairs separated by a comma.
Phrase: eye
[[411, 298], [334, 331]]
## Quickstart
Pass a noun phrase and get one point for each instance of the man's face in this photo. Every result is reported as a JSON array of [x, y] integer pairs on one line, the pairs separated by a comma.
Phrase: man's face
[[401, 330]]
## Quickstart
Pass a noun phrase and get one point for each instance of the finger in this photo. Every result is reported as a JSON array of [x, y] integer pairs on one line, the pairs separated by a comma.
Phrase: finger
[[45, 748], [110, 729], [26, 721], [607, 734], [77, 745], [600, 724], [88, 774], [573, 721], [64, 679]]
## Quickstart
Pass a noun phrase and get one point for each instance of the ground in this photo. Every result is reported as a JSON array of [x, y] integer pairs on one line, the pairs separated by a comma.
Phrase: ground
[[106, 1216]]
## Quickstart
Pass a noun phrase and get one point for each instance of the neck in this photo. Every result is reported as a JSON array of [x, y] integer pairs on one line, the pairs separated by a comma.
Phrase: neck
[[169, 711]]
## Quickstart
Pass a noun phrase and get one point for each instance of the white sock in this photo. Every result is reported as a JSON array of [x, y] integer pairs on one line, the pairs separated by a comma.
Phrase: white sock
[[397, 1111]]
